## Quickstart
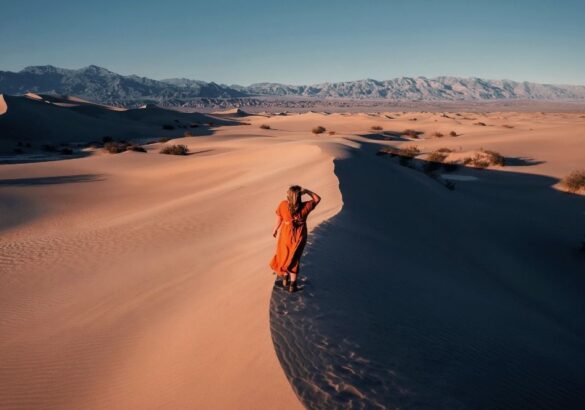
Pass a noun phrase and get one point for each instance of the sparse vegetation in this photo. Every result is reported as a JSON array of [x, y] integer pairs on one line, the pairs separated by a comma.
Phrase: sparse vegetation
[[411, 133], [507, 126], [437, 134], [413, 119], [115, 147], [265, 126], [331, 132], [480, 123], [377, 128], [575, 181], [444, 150], [319, 130], [178, 149], [453, 134], [136, 148], [187, 134], [434, 161], [495, 158]]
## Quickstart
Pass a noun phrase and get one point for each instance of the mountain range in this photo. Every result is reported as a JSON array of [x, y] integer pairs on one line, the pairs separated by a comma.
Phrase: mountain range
[[101, 85]]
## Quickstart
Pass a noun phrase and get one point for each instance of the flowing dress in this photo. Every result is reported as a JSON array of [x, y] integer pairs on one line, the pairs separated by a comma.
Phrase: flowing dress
[[292, 238]]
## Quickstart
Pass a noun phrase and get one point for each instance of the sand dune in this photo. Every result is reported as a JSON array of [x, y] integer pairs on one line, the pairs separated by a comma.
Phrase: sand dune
[[141, 280], [64, 120]]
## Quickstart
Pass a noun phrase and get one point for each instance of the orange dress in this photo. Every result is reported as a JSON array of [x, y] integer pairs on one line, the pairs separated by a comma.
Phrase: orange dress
[[292, 238]]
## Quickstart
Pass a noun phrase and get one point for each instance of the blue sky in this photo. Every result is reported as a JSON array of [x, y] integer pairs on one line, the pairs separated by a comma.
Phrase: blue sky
[[300, 41]]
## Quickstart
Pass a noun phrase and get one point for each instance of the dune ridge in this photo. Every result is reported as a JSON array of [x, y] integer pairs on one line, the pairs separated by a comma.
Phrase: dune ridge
[[141, 280], [107, 299]]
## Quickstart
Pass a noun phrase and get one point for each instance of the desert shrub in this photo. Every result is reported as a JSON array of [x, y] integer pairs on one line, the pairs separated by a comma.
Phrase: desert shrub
[[453, 134], [187, 134], [49, 148], [495, 158], [412, 119], [479, 123], [168, 127], [445, 150], [136, 148], [467, 160], [66, 151], [377, 128], [319, 130], [479, 162], [437, 134], [115, 147], [164, 139], [434, 161], [507, 126], [265, 126], [575, 181], [410, 152], [437, 156], [178, 149], [411, 133], [331, 132]]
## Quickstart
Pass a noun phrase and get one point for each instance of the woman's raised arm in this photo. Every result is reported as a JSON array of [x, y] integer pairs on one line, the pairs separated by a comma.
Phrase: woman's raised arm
[[313, 195]]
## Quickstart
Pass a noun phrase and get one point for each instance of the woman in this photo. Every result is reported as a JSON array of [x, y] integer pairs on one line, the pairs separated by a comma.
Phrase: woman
[[291, 217]]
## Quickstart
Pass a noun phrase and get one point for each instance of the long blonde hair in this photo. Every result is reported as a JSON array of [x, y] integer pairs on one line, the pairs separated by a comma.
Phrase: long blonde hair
[[293, 195]]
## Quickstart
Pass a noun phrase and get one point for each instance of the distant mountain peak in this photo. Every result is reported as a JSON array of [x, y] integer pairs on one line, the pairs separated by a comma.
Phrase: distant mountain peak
[[101, 85]]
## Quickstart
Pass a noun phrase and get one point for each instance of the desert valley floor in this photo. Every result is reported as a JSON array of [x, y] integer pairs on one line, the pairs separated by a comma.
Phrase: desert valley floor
[[141, 280]]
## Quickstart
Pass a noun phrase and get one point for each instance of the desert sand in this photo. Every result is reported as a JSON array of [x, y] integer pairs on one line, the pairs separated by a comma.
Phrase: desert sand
[[141, 280]]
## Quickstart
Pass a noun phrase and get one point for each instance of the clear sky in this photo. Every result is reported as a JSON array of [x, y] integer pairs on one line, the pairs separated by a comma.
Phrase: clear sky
[[300, 41]]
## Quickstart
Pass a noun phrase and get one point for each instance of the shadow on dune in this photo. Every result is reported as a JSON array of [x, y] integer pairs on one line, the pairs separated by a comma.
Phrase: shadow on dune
[[63, 179], [422, 297]]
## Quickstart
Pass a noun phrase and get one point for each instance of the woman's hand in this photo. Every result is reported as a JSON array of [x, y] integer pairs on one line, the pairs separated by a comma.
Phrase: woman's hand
[[275, 233]]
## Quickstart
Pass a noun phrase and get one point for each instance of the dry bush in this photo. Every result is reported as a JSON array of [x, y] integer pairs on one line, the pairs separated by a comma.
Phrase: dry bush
[[453, 134], [437, 156], [413, 119], [507, 126], [377, 128], [479, 162], [136, 148], [187, 134], [115, 147], [319, 130], [575, 181], [495, 158], [411, 133], [265, 126], [409, 152], [177, 149], [331, 132], [479, 123], [445, 150], [437, 134]]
